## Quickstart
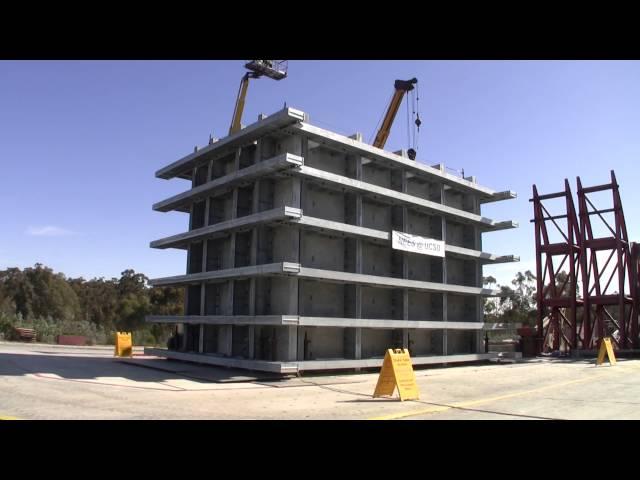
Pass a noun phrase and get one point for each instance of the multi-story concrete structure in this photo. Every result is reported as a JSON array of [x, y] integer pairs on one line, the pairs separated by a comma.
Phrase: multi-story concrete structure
[[290, 264]]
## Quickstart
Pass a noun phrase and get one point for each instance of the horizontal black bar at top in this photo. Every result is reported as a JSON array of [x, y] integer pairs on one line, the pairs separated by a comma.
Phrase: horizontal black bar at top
[[556, 217], [562, 248], [606, 210], [597, 188], [550, 195]]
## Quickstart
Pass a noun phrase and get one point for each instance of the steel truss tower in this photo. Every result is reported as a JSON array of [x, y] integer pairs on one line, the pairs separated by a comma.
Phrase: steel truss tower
[[609, 299], [556, 297], [607, 303]]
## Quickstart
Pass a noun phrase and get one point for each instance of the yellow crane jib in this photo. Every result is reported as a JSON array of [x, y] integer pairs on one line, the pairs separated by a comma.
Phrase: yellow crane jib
[[274, 69], [402, 87]]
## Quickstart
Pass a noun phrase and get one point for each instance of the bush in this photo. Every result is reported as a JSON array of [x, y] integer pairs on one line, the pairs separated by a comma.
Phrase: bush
[[47, 330], [7, 321]]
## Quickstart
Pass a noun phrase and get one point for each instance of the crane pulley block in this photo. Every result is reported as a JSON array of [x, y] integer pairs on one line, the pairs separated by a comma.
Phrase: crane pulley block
[[405, 85]]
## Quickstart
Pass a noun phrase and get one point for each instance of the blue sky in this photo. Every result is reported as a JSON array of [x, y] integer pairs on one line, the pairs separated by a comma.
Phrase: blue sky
[[80, 142]]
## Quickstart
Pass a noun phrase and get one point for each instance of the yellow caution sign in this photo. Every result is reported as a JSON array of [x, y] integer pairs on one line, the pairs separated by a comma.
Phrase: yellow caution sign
[[397, 371], [124, 345], [606, 347]]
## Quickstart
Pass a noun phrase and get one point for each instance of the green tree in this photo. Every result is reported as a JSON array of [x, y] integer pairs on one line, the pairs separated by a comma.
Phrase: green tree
[[54, 305]]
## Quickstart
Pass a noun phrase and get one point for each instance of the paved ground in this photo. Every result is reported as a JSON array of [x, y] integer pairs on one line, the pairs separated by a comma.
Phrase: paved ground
[[52, 382]]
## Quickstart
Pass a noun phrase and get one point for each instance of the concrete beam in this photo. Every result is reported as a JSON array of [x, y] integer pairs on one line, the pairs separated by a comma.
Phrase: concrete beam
[[294, 367], [218, 186], [210, 359], [182, 240], [330, 276], [292, 320], [483, 257], [228, 274], [226, 319], [338, 228], [393, 160], [398, 198], [381, 236], [377, 362], [506, 195], [386, 323], [333, 276], [227, 145]]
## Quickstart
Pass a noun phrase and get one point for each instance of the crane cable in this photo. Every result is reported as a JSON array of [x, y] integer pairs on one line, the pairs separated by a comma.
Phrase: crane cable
[[415, 97], [413, 111], [408, 123], [417, 122], [375, 131]]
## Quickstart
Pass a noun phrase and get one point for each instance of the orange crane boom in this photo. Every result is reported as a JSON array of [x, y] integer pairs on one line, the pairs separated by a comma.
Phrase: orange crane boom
[[274, 69], [402, 87]]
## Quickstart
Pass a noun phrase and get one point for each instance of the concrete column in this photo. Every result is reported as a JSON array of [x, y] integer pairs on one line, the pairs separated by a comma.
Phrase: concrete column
[[252, 340], [358, 299], [287, 343], [186, 290], [224, 340], [358, 288], [300, 352], [293, 343], [236, 160], [234, 204], [201, 339], [405, 266], [479, 299], [254, 251], [190, 228], [358, 350], [207, 206], [252, 296], [444, 276], [296, 192], [232, 250], [445, 342], [184, 337]]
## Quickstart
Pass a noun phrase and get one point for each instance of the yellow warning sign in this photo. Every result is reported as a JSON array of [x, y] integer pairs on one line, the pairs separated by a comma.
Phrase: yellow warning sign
[[397, 371], [606, 347], [124, 345]]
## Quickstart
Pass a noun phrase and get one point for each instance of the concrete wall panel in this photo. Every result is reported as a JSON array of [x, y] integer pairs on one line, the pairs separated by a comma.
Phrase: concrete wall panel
[[323, 203], [321, 299], [376, 215], [322, 251]]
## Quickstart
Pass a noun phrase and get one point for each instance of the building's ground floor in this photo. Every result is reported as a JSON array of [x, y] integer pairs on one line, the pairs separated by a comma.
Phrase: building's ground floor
[[292, 343]]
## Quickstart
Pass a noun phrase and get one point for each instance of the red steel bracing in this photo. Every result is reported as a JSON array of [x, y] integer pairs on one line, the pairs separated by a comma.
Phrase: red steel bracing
[[635, 281], [610, 299], [557, 301]]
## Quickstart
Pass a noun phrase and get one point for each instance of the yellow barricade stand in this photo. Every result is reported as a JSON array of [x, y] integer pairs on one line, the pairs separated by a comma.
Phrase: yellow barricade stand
[[124, 344], [397, 371], [606, 347]]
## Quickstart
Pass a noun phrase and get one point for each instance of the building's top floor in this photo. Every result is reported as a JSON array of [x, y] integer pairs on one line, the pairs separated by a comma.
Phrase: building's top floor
[[291, 121]]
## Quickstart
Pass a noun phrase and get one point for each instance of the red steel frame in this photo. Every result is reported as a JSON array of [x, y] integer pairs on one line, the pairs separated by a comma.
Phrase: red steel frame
[[558, 302], [610, 309], [635, 277]]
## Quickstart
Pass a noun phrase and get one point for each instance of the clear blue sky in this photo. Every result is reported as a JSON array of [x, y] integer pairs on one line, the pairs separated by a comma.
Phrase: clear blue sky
[[80, 142]]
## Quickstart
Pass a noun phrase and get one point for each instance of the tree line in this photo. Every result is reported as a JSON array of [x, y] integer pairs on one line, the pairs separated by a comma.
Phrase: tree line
[[53, 304], [518, 304]]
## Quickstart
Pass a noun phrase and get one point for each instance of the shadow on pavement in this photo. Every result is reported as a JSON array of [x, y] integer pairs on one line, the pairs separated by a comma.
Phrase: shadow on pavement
[[91, 368]]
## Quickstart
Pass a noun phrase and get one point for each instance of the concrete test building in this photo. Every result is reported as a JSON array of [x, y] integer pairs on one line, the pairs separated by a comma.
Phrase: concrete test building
[[309, 250]]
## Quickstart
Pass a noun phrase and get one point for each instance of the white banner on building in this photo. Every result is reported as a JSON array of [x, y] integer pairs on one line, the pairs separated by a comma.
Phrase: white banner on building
[[416, 244]]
